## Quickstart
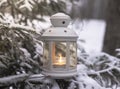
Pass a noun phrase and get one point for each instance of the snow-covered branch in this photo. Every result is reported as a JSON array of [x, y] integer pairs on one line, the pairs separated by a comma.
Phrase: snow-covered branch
[[27, 4], [21, 27], [6, 81], [100, 72], [2, 2]]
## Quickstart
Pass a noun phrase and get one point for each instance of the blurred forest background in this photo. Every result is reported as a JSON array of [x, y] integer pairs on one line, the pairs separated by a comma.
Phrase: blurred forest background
[[23, 21], [107, 10]]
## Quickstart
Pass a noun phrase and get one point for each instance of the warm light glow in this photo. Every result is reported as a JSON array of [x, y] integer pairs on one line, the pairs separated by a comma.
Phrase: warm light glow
[[60, 60]]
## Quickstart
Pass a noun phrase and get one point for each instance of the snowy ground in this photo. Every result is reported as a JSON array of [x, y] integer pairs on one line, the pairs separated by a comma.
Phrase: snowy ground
[[92, 31]]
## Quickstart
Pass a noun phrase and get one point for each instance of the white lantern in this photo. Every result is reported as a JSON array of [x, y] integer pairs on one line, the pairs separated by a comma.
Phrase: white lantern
[[60, 48]]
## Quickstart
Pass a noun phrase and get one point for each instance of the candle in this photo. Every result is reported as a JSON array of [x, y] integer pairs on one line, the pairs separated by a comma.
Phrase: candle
[[60, 61]]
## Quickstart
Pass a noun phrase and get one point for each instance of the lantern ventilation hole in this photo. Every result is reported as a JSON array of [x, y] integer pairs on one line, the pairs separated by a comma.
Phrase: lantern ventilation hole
[[65, 31], [63, 22], [49, 30]]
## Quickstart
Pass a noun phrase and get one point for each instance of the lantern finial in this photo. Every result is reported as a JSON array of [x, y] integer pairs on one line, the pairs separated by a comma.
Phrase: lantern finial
[[60, 20]]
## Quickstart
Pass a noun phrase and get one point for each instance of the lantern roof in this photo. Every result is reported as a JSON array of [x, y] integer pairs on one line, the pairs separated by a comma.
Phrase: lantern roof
[[59, 33], [59, 30]]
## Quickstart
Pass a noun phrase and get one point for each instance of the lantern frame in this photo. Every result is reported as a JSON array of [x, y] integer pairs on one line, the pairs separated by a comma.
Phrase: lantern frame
[[59, 33]]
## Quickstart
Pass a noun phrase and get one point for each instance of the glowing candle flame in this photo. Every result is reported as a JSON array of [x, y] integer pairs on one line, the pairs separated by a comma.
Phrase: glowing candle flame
[[60, 60]]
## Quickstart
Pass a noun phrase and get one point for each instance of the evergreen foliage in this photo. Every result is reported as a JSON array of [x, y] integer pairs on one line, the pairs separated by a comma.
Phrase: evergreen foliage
[[17, 48]]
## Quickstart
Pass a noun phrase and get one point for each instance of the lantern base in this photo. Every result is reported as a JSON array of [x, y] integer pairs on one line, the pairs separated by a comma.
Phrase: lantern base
[[60, 74]]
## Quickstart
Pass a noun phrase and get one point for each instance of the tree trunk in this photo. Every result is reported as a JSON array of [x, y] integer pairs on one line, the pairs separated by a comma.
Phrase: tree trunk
[[112, 35]]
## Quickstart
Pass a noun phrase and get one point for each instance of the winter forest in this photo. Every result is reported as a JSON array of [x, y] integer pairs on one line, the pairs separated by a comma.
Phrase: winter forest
[[97, 24]]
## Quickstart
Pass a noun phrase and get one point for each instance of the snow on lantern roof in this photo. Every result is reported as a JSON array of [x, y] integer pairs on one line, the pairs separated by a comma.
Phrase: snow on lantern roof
[[60, 15]]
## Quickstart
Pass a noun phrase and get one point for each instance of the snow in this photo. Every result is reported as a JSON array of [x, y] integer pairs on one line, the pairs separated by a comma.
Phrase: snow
[[8, 18], [10, 87], [1, 64], [21, 26], [92, 31], [27, 4], [38, 25], [14, 78], [118, 49], [55, 1], [2, 2], [86, 82], [59, 15], [55, 86], [98, 59], [36, 76], [81, 68], [39, 48], [26, 53]]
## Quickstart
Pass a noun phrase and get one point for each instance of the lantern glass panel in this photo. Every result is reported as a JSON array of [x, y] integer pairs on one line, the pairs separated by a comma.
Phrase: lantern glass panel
[[46, 54], [73, 54], [59, 54]]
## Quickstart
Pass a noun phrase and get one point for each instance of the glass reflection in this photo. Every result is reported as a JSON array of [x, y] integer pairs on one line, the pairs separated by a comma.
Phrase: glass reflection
[[73, 50], [46, 54]]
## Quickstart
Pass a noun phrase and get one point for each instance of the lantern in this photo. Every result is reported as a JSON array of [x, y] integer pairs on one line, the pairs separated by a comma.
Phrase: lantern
[[60, 48]]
